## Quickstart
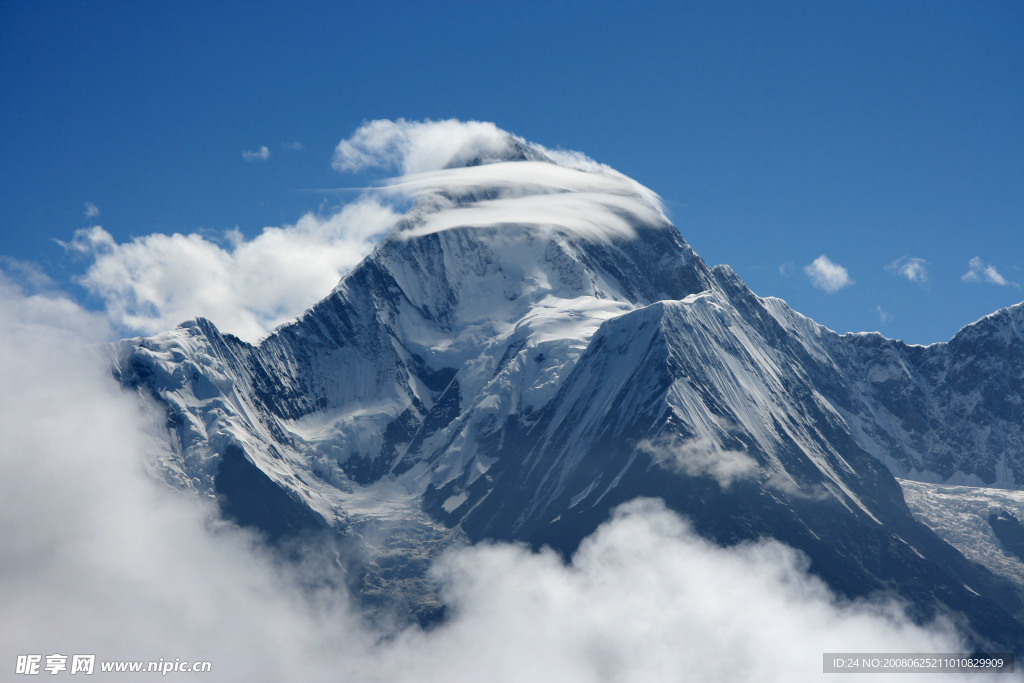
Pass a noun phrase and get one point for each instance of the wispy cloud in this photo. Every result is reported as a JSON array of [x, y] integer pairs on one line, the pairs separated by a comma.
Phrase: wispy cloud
[[294, 146], [91, 210], [700, 457], [912, 268], [498, 179], [599, 215], [979, 271], [826, 275], [784, 483], [261, 154]]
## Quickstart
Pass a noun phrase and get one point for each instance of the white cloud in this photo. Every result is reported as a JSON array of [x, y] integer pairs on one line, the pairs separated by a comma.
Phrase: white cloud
[[420, 146], [826, 275], [912, 268], [261, 154], [883, 315], [701, 457], [979, 271], [646, 599], [32, 306], [294, 146], [596, 215], [522, 183], [99, 558], [783, 482], [246, 287], [91, 210]]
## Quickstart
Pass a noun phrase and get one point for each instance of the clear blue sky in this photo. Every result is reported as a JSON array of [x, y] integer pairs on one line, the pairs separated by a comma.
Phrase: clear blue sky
[[775, 132]]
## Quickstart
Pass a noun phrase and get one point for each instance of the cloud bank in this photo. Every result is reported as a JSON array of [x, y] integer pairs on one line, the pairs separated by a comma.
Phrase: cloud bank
[[246, 286], [826, 275], [98, 558]]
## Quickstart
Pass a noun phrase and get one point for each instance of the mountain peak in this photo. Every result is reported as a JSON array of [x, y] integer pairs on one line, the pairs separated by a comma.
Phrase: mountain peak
[[535, 343]]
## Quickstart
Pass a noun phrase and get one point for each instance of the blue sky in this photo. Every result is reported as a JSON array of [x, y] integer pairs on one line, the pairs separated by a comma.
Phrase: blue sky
[[886, 136]]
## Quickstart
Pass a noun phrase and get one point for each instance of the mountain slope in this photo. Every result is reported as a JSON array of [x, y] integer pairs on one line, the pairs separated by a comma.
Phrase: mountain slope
[[536, 343]]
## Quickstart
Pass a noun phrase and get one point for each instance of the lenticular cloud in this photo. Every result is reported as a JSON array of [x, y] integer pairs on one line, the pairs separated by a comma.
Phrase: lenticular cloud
[[473, 174]]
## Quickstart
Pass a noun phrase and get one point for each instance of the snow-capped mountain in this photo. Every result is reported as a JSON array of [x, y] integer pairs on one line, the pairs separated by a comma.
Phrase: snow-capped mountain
[[534, 344]]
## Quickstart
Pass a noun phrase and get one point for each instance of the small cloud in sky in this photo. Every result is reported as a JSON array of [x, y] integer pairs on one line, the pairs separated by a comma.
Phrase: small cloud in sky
[[787, 268], [912, 268], [261, 154], [293, 146], [883, 315], [826, 275], [979, 271], [91, 210]]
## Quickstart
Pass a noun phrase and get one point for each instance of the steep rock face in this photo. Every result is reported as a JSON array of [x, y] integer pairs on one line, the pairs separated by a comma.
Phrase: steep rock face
[[694, 403], [518, 381], [948, 412], [423, 334]]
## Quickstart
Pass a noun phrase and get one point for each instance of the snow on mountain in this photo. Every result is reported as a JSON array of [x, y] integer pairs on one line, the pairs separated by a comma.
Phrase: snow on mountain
[[945, 413], [534, 344], [982, 523]]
